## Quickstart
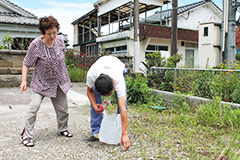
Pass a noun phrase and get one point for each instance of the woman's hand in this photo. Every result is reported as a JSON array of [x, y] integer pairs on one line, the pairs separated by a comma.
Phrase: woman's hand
[[23, 86]]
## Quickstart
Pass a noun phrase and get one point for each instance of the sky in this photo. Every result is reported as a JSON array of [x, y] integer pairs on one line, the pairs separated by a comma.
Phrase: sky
[[67, 11]]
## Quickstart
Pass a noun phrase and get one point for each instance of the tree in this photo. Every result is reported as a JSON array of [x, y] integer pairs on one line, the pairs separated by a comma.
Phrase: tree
[[7, 40]]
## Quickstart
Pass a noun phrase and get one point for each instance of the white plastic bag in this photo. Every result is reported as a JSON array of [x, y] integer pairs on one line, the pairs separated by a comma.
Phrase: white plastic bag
[[111, 128]]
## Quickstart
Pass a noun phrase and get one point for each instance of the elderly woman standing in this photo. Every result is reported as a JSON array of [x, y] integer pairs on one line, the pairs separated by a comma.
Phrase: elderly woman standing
[[50, 78]]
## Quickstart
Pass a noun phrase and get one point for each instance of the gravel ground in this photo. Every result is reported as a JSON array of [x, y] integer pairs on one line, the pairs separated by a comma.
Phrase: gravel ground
[[48, 145]]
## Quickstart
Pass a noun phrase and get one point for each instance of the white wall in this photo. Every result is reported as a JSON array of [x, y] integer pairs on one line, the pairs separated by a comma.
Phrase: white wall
[[154, 2], [199, 15], [181, 50], [209, 54]]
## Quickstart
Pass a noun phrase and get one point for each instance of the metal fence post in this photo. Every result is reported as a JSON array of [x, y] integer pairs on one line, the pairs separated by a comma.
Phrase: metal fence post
[[175, 79]]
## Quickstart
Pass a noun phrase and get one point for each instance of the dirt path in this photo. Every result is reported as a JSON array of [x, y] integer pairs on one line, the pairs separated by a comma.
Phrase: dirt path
[[48, 145]]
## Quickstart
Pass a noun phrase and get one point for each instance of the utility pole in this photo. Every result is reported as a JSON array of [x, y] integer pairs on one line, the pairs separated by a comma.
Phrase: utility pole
[[136, 37], [229, 30], [174, 28]]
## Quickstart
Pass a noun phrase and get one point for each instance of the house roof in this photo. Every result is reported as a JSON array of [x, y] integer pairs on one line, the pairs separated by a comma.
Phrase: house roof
[[16, 15], [92, 14], [124, 9], [166, 14]]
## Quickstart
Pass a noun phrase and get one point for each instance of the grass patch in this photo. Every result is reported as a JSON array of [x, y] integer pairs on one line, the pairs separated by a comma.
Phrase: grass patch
[[209, 131], [76, 74], [206, 132]]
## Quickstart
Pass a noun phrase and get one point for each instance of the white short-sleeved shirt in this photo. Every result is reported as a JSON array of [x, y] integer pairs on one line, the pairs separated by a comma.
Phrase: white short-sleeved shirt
[[112, 67]]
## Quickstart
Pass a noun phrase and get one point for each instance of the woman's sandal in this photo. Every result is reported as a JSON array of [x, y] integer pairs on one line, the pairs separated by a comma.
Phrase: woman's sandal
[[66, 133], [28, 142]]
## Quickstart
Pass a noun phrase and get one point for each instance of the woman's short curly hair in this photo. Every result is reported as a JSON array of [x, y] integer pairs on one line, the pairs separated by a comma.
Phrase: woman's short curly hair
[[46, 23]]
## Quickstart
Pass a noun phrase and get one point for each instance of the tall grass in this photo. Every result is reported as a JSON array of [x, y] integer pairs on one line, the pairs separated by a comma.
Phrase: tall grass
[[76, 74], [208, 131]]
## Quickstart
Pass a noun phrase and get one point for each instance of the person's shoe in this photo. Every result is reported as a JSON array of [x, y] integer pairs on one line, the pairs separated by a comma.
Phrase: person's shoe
[[28, 142], [65, 133], [93, 138]]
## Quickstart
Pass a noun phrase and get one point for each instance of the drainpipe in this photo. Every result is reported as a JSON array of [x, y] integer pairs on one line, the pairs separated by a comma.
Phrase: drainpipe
[[224, 28]]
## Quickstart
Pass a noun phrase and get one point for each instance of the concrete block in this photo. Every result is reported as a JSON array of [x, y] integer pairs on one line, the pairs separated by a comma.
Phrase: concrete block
[[192, 101]]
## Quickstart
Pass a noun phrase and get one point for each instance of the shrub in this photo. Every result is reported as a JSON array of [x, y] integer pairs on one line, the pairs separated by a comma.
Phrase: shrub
[[203, 85], [3, 47], [137, 88], [173, 60], [162, 79], [237, 57], [235, 94], [7, 40], [155, 59]]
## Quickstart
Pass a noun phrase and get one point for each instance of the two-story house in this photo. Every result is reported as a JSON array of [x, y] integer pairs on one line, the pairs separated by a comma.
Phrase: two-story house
[[109, 27]]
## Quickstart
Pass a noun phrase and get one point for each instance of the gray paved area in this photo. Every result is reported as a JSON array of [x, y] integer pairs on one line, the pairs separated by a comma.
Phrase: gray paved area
[[48, 145]]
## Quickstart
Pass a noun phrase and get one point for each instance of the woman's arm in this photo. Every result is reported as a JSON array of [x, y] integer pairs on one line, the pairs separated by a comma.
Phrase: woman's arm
[[23, 85]]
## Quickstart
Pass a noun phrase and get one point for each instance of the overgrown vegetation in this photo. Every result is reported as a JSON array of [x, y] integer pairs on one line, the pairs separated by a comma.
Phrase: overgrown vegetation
[[207, 84], [137, 89], [185, 133], [16, 43], [75, 71], [78, 64], [7, 41], [208, 131], [237, 57], [162, 79]]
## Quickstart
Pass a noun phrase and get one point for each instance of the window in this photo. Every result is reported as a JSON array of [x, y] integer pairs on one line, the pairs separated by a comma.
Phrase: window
[[151, 47], [205, 34], [182, 43], [121, 48], [91, 48], [155, 48], [117, 49], [20, 43], [191, 45], [110, 49]]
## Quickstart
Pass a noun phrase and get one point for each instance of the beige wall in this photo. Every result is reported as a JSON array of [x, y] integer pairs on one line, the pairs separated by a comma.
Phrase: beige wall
[[75, 32], [115, 43], [209, 54]]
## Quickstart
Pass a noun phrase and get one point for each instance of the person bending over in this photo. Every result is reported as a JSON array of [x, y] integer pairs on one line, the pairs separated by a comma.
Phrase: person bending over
[[105, 76]]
